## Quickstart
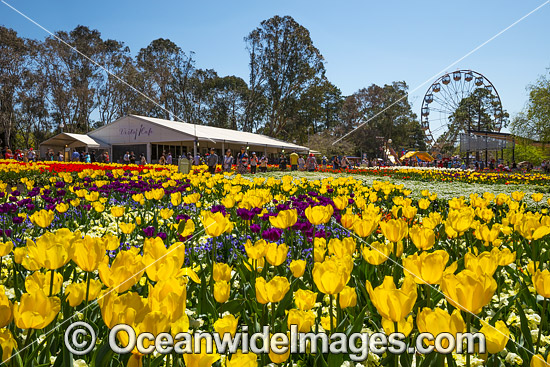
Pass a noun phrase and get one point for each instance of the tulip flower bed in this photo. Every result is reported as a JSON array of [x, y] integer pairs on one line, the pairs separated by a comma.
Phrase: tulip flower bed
[[167, 252], [450, 175]]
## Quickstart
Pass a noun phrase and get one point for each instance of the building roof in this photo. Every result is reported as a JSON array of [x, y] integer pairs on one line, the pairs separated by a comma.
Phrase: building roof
[[218, 134], [74, 140]]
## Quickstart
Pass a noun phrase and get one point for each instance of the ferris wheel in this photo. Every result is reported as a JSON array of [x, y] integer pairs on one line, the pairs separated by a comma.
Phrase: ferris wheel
[[444, 97]]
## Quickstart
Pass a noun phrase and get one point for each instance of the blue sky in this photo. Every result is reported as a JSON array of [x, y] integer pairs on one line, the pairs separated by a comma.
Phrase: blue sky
[[363, 42]]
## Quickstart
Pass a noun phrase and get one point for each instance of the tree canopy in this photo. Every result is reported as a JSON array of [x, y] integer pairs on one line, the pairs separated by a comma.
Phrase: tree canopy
[[47, 87]]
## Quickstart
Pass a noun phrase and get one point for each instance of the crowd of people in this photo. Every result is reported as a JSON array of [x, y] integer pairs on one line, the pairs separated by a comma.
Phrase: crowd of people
[[245, 162]]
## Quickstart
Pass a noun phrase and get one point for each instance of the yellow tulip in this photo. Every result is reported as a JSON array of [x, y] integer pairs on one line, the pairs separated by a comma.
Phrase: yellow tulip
[[272, 291], [222, 272], [304, 320], [348, 297], [530, 227], [319, 214], [175, 198], [185, 228], [326, 322], [330, 276], [305, 299], [98, 207], [117, 211], [488, 236], [439, 321], [162, 263], [392, 303], [6, 308], [112, 243], [394, 229], [284, 219], [364, 227], [468, 291], [124, 272], [423, 238], [505, 257], [89, 252], [5, 248], [201, 359], [62, 207], [126, 228], [409, 211], [35, 311], [404, 326], [76, 292], [297, 267], [518, 195], [222, 290], [257, 250], [7, 343], [461, 220], [276, 254], [424, 203], [241, 359], [21, 256], [52, 251], [496, 336], [348, 220], [486, 262], [227, 324], [541, 281], [426, 267], [215, 223], [538, 360], [341, 248], [377, 253], [168, 297], [166, 213], [279, 358], [42, 218], [39, 281]]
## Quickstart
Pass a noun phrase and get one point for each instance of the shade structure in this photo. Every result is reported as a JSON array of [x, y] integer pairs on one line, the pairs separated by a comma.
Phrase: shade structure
[[423, 156]]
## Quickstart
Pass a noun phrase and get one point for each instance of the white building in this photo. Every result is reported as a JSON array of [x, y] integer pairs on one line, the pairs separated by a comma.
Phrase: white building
[[153, 136]]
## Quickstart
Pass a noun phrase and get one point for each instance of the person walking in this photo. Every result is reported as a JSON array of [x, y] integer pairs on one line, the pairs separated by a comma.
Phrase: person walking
[[324, 162], [263, 164], [294, 161], [227, 161], [212, 161], [169, 158], [142, 159], [242, 162], [60, 156], [162, 160], [126, 158], [132, 158], [253, 163], [335, 164], [282, 162], [344, 162], [301, 163], [311, 163], [75, 157], [197, 159]]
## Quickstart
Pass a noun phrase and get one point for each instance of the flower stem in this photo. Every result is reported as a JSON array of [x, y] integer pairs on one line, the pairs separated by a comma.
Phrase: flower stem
[[468, 329], [331, 314], [87, 294], [51, 281], [542, 322]]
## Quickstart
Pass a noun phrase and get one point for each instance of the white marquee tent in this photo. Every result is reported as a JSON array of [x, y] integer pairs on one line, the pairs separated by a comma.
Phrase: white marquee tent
[[152, 136]]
